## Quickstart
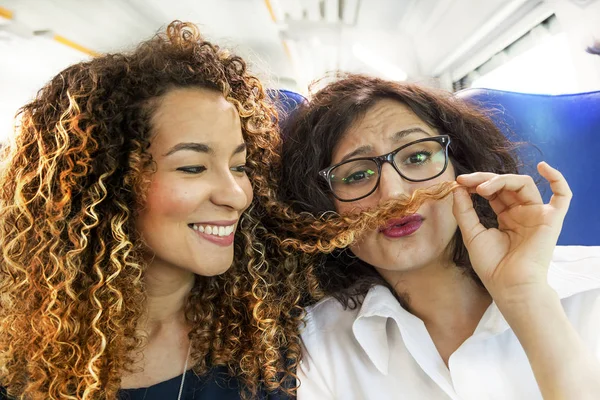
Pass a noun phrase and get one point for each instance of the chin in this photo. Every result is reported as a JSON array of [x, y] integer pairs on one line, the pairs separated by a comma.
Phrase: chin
[[215, 273], [403, 255], [212, 270], [215, 269]]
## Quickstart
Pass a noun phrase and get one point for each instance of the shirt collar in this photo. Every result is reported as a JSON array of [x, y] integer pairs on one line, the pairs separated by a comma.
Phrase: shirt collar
[[573, 270], [370, 326]]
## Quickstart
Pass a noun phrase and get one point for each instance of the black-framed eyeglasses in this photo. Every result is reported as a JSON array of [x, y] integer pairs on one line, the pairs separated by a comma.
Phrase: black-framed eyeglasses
[[417, 161]]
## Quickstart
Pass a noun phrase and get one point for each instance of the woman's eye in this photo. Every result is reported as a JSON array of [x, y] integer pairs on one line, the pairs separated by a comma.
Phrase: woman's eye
[[192, 170], [418, 158], [358, 176], [242, 169]]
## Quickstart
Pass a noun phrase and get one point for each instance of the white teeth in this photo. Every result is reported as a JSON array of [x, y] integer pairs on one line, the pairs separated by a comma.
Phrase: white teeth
[[214, 230]]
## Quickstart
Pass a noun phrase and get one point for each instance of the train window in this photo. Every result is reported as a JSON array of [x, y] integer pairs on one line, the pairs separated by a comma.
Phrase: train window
[[541, 61]]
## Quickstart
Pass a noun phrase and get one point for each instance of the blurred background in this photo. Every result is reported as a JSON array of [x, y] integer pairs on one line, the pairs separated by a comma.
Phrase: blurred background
[[531, 46]]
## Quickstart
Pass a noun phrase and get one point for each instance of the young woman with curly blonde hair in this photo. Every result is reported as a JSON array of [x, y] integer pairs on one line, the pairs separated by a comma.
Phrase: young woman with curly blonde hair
[[134, 263]]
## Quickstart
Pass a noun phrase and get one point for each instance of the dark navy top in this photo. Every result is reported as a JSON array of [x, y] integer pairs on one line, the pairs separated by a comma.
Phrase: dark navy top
[[216, 385]]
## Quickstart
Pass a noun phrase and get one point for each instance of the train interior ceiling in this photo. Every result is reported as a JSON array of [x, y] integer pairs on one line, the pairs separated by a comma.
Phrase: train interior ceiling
[[530, 46]]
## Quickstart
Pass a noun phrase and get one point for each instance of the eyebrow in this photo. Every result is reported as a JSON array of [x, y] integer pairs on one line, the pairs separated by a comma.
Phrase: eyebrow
[[240, 149], [190, 146], [396, 137], [362, 150], [200, 148]]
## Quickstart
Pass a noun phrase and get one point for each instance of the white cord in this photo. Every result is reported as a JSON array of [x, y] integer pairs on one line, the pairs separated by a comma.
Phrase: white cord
[[187, 358]]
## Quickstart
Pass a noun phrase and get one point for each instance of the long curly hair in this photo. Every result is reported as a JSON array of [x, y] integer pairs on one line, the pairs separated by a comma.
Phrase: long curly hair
[[71, 266], [316, 127]]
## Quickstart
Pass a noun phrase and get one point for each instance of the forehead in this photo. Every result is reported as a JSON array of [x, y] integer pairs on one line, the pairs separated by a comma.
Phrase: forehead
[[194, 115], [385, 117], [378, 126]]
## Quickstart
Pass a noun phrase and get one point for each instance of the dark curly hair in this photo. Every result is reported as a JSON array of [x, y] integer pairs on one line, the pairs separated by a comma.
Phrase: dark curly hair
[[313, 131], [71, 265]]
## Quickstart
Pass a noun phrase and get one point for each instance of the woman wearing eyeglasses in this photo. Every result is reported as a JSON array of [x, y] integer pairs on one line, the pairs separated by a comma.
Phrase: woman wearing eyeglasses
[[465, 299]]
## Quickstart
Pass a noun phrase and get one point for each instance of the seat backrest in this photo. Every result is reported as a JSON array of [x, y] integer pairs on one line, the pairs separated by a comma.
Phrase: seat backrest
[[564, 128], [566, 131]]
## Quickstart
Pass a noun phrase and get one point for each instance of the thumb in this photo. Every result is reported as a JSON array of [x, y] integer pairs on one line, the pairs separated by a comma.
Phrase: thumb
[[466, 217]]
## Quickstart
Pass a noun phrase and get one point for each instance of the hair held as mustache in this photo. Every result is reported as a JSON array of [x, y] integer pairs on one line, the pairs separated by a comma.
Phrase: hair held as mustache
[[329, 231]]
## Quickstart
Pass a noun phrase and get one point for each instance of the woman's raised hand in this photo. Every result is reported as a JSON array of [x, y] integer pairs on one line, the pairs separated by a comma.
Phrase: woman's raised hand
[[514, 258]]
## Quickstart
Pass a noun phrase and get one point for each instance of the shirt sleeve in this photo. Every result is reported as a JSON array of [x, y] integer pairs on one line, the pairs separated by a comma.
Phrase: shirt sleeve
[[595, 321], [587, 322], [576, 275]]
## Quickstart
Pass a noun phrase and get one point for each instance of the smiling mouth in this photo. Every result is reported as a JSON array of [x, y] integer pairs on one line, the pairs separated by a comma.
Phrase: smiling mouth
[[214, 230]]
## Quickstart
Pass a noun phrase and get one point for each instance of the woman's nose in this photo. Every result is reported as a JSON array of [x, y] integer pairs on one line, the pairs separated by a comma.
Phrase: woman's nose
[[229, 192], [391, 184]]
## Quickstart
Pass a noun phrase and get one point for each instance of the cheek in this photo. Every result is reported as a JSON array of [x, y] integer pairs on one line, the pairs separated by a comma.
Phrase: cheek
[[442, 209], [363, 246], [349, 207], [168, 198], [441, 222], [442, 212], [449, 174], [341, 207]]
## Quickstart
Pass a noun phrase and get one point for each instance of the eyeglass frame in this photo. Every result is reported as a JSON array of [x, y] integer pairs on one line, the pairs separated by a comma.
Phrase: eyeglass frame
[[443, 140]]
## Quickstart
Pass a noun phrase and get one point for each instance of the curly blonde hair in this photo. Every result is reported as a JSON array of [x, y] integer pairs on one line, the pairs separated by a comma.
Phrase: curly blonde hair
[[71, 266]]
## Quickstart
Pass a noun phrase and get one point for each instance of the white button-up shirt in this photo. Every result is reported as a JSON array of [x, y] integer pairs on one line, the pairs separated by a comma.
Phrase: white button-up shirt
[[380, 351]]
